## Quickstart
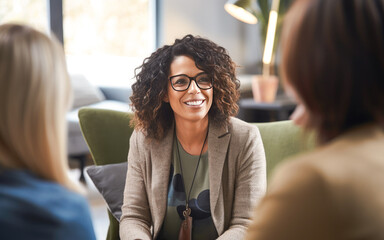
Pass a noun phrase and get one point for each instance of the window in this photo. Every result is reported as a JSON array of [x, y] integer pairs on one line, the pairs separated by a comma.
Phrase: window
[[106, 40], [31, 12], [103, 39]]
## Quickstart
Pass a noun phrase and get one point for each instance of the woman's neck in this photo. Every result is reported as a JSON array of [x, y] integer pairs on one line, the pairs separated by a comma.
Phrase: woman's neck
[[191, 135]]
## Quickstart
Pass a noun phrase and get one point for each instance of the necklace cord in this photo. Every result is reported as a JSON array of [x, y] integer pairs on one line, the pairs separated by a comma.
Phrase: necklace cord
[[181, 168]]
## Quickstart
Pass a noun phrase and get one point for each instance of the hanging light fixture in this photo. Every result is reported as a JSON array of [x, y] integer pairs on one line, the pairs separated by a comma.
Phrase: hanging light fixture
[[243, 10]]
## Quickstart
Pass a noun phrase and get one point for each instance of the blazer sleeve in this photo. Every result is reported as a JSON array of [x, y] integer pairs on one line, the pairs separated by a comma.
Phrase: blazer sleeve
[[135, 221], [296, 207], [250, 183]]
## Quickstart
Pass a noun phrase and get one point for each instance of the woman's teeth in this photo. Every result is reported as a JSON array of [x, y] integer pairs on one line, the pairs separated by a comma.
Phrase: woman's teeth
[[194, 103]]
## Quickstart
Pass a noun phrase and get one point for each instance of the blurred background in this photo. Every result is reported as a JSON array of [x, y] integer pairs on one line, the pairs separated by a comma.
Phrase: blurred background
[[106, 40]]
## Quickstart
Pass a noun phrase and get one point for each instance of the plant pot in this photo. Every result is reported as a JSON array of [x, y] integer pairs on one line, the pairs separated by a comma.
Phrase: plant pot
[[264, 88]]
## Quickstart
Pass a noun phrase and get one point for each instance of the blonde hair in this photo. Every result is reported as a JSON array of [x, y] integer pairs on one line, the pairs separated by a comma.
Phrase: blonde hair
[[35, 93]]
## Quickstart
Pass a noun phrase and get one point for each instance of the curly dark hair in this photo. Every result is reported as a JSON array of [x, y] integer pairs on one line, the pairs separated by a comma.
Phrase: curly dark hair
[[154, 116]]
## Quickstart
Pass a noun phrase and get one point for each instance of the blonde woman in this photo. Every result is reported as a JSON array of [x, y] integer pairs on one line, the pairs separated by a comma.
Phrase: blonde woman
[[38, 200]]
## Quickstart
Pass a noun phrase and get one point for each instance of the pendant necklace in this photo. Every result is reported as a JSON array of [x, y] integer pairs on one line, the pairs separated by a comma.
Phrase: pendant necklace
[[186, 226]]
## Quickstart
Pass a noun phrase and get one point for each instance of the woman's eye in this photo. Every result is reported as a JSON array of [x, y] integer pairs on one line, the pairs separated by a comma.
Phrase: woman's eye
[[181, 81], [203, 80]]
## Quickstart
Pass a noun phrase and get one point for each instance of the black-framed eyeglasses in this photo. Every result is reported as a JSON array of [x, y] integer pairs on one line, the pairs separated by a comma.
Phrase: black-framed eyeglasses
[[182, 82]]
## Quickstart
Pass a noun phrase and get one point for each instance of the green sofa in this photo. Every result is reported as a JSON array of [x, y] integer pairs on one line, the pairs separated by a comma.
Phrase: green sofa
[[107, 134]]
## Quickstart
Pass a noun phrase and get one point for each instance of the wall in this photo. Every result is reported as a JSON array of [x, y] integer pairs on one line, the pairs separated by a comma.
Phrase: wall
[[207, 18]]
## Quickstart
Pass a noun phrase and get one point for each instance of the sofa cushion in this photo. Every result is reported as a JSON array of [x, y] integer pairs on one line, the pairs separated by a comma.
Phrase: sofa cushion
[[84, 93], [76, 142], [110, 181]]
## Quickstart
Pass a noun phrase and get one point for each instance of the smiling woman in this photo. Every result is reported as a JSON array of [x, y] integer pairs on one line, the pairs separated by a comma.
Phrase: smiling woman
[[188, 101], [187, 151]]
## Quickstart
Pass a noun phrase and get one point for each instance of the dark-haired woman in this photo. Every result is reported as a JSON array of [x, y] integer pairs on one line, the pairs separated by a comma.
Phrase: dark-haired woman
[[193, 170], [333, 63]]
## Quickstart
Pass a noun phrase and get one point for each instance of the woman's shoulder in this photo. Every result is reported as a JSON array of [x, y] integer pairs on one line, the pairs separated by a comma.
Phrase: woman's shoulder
[[24, 186], [139, 139], [325, 165], [41, 199], [242, 128], [138, 135]]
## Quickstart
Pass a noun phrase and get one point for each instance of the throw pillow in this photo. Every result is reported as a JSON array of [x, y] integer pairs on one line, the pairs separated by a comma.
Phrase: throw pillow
[[84, 93], [110, 181]]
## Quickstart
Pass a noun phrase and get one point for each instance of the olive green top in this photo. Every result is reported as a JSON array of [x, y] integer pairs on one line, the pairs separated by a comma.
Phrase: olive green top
[[202, 226]]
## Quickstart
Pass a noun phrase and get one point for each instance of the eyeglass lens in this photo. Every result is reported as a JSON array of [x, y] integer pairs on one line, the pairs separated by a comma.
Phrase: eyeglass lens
[[182, 82]]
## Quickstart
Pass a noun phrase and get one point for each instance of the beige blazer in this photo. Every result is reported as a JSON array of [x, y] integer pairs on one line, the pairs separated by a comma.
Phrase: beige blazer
[[335, 192], [237, 178]]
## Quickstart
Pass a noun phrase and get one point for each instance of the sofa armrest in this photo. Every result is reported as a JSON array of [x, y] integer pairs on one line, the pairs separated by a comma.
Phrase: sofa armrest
[[117, 93], [282, 139]]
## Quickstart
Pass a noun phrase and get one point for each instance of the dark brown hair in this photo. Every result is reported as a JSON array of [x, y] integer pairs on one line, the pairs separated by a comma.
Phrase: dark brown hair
[[154, 116], [333, 56]]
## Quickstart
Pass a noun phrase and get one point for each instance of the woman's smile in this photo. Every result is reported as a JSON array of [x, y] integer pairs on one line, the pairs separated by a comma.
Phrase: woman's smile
[[194, 103]]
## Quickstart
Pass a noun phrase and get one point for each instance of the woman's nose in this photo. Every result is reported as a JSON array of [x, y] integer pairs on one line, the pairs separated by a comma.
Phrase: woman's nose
[[193, 88]]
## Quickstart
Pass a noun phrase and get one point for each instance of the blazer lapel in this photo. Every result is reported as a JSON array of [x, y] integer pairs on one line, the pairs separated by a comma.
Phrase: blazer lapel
[[218, 141], [161, 153]]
